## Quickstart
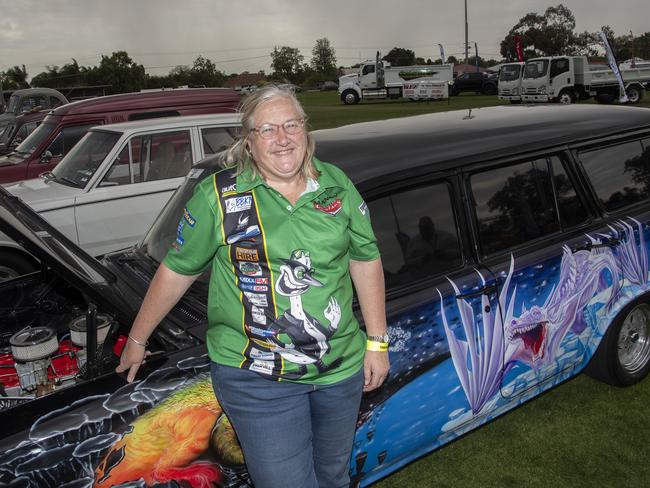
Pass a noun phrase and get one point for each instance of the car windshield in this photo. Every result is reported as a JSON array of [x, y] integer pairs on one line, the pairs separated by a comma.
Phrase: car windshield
[[26, 148], [80, 164], [12, 108], [163, 232], [510, 73], [535, 68]]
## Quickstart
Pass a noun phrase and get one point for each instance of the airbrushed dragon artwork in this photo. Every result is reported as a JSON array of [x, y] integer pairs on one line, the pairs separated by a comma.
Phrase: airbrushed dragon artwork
[[456, 363]]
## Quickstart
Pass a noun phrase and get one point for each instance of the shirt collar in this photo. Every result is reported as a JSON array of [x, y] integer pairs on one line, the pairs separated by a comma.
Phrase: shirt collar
[[246, 181]]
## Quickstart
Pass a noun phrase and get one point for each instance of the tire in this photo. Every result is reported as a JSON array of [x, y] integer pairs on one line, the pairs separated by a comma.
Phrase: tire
[[515, 102], [349, 97], [13, 264], [566, 97], [623, 356], [634, 94]]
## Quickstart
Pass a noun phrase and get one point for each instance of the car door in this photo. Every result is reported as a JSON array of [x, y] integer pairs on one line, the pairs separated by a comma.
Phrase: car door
[[431, 282], [133, 188], [534, 233]]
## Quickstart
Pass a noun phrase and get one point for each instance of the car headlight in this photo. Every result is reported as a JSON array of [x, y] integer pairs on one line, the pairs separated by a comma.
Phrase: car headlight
[[542, 90]]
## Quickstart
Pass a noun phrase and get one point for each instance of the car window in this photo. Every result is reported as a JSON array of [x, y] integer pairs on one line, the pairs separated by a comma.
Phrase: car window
[[572, 210], [559, 66], [171, 156], [416, 233], [55, 102], [514, 204], [620, 174], [369, 68], [67, 138], [216, 139], [32, 102]]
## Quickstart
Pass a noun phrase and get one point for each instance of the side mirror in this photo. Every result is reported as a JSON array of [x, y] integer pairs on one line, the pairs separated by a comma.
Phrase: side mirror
[[46, 157]]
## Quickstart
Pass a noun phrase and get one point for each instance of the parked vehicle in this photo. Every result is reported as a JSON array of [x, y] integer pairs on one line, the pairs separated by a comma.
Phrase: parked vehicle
[[510, 81], [63, 128], [29, 100], [18, 130], [567, 79], [509, 268], [474, 81], [109, 188], [379, 80]]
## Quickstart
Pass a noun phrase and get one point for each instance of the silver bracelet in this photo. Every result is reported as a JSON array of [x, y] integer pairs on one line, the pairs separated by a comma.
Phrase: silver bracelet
[[139, 343]]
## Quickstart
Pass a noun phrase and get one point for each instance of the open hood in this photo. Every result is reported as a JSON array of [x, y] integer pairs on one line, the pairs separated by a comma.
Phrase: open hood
[[38, 237]]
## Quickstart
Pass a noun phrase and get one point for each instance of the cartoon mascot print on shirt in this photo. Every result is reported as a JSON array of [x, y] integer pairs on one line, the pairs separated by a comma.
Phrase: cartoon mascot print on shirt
[[309, 337]]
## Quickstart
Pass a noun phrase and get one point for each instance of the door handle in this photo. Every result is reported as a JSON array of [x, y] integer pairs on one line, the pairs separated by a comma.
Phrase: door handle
[[589, 246], [484, 290]]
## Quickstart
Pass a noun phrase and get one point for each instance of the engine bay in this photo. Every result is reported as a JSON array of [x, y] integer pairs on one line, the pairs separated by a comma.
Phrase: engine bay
[[45, 345]]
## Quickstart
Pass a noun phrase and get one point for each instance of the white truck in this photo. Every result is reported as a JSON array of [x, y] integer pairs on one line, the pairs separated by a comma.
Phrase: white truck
[[379, 80], [567, 79], [510, 81]]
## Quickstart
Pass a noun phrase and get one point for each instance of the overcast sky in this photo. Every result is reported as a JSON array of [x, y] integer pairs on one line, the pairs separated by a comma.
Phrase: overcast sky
[[239, 35]]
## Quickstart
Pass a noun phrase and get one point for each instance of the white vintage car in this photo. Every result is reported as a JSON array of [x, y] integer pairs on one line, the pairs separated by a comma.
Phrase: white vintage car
[[107, 191]]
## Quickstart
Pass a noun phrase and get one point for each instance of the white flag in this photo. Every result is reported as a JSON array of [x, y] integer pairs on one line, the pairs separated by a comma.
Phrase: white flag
[[614, 66]]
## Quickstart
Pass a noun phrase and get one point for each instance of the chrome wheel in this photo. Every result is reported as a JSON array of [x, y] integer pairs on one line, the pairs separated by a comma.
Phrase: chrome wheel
[[633, 343], [633, 95], [566, 98]]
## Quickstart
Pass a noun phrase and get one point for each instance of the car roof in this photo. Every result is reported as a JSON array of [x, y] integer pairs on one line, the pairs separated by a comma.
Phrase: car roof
[[170, 122], [375, 149], [147, 100], [28, 91]]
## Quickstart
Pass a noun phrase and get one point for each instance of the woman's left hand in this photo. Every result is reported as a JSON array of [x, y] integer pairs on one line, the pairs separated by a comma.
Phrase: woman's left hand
[[375, 369]]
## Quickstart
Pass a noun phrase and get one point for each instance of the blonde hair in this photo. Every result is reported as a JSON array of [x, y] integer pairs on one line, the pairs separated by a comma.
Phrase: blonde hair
[[238, 154]]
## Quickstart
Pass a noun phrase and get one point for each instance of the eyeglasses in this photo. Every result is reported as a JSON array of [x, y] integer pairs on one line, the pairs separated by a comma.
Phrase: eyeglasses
[[270, 131]]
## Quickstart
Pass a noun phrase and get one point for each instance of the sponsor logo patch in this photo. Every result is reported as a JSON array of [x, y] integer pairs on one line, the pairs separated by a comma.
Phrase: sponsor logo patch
[[252, 330], [363, 208], [260, 288], [257, 299], [188, 217], [250, 269], [243, 254], [229, 190], [179, 233], [245, 235], [242, 222], [331, 208], [264, 367], [258, 315], [261, 355], [237, 204], [254, 281]]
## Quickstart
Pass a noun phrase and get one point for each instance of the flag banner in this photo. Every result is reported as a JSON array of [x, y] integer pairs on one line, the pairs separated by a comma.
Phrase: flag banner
[[519, 49], [614, 67], [442, 53]]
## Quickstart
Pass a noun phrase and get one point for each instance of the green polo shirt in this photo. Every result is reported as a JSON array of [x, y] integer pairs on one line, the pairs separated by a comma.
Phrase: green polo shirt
[[280, 295]]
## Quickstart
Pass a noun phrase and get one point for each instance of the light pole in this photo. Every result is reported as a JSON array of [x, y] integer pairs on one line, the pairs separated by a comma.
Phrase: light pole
[[466, 42]]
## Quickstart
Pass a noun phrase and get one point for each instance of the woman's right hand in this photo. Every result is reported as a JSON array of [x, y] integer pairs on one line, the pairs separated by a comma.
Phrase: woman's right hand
[[132, 357]]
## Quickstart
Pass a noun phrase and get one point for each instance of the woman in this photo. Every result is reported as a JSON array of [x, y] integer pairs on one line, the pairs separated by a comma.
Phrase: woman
[[283, 233]]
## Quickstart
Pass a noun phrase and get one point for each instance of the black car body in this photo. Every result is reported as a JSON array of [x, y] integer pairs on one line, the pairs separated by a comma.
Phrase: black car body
[[513, 258], [474, 81]]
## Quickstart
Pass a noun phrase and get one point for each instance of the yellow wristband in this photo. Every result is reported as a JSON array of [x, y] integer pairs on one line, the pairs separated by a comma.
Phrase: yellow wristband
[[376, 346]]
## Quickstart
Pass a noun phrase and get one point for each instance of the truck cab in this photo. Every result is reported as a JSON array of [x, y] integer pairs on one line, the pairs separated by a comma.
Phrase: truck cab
[[510, 82], [563, 79]]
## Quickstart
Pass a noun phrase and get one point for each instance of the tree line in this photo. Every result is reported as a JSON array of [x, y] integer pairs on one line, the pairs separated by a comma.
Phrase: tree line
[[547, 34]]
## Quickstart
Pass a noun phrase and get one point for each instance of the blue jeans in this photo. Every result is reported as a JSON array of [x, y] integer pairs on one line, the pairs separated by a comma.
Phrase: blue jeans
[[292, 435]]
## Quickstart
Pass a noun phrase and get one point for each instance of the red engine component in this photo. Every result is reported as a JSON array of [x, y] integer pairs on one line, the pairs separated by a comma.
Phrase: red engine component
[[119, 345], [8, 374], [65, 362]]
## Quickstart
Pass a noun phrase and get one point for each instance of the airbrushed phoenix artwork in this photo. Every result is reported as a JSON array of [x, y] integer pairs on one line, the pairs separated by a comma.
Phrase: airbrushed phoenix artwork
[[456, 362]]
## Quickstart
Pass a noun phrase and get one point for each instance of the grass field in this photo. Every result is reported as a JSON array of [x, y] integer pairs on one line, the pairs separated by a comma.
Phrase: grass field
[[582, 434], [325, 109]]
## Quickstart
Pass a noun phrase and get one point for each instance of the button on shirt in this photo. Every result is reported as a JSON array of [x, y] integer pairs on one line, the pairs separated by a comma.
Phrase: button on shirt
[[280, 296]]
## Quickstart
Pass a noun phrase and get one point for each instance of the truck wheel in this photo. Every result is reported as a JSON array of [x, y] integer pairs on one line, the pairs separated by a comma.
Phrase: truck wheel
[[489, 90], [566, 97], [13, 264], [349, 97], [515, 102], [634, 94], [623, 356]]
